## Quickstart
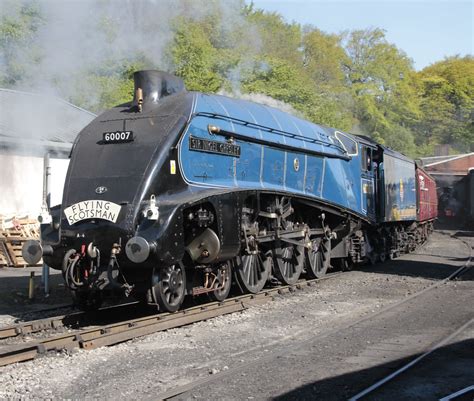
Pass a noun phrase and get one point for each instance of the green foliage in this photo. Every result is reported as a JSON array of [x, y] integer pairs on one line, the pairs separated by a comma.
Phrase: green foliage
[[195, 58], [447, 103], [324, 58], [384, 89], [277, 39], [18, 30], [323, 61], [356, 81]]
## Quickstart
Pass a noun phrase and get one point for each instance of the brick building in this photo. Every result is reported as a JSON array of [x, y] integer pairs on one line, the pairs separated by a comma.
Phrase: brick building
[[453, 175]]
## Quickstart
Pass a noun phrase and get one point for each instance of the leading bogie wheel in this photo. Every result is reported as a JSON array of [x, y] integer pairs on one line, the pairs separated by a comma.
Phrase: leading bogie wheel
[[169, 287], [288, 263], [318, 258], [252, 271]]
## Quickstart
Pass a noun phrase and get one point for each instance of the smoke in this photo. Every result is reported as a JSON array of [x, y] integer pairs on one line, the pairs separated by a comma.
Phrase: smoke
[[35, 117], [33, 125], [89, 35], [234, 90], [263, 99], [73, 39], [85, 36], [77, 38]]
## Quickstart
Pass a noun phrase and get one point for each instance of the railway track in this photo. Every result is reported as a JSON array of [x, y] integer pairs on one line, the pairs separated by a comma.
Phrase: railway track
[[110, 334], [415, 361], [70, 320], [379, 384], [38, 325], [117, 332], [176, 392]]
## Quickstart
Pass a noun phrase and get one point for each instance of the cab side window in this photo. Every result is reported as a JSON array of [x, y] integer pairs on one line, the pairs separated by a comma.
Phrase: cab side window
[[349, 144], [366, 159]]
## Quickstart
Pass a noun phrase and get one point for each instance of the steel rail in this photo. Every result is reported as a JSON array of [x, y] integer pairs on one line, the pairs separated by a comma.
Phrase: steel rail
[[177, 391], [413, 362], [428, 352], [115, 333], [53, 322], [74, 319], [123, 331], [35, 326], [457, 393]]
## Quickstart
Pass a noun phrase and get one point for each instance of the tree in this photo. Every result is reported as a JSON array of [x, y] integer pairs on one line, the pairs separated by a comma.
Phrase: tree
[[194, 57], [18, 29], [323, 59], [383, 84], [277, 38], [447, 90]]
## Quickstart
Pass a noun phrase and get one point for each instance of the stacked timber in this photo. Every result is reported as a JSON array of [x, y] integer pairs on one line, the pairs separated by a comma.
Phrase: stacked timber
[[4, 261], [14, 232]]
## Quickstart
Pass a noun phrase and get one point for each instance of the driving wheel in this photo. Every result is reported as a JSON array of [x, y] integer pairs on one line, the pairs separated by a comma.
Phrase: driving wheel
[[288, 263], [252, 271], [318, 258]]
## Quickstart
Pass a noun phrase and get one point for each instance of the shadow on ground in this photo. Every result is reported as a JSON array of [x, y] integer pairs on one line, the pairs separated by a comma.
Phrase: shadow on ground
[[14, 291], [14, 283], [449, 369], [413, 268]]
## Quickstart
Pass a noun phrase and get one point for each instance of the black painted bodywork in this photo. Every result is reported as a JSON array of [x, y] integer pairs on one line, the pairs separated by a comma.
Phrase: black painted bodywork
[[132, 172]]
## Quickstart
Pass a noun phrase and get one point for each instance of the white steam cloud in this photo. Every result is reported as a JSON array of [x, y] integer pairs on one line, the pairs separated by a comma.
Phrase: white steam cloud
[[77, 37], [80, 36], [91, 35], [263, 99]]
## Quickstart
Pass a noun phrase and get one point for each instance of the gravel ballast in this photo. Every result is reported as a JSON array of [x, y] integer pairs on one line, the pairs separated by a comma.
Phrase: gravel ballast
[[146, 367]]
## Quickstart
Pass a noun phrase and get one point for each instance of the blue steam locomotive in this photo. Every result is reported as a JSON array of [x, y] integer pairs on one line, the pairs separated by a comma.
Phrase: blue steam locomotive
[[182, 193]]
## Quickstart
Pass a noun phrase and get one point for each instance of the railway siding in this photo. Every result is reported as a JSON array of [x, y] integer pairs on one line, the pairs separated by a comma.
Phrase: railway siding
[[205, 349]]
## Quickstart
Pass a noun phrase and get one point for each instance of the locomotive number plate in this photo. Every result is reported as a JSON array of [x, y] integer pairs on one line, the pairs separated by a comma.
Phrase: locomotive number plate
[[117, 137], [220, 148], [92, 209]]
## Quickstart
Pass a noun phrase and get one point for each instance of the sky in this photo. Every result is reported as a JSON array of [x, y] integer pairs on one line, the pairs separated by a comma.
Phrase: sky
[[427, 30]]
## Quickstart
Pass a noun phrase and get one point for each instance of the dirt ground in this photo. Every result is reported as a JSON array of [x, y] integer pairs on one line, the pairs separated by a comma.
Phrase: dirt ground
[[304, 345], [14, 301]]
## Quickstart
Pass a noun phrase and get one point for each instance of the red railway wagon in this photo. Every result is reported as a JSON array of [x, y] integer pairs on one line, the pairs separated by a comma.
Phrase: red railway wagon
[[426, 196]]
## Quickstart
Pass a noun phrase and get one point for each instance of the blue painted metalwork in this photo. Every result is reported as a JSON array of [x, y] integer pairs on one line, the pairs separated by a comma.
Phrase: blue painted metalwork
[[399, 187], [315, 163]]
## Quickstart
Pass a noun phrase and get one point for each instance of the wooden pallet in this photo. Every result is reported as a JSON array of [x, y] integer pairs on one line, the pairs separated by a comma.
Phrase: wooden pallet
[[14, 251], [4, 258], [12, 240]]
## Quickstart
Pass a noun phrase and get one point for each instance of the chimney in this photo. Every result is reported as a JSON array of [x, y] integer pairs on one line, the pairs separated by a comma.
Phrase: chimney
[[152, 85]]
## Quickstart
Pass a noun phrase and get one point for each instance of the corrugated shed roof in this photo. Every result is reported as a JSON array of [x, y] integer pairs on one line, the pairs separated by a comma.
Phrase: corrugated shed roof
[[31, 118], [449, 159], [432, 160], [454, 165]]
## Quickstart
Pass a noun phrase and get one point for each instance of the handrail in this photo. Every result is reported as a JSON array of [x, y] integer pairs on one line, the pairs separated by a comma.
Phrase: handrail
[[275, 131]]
